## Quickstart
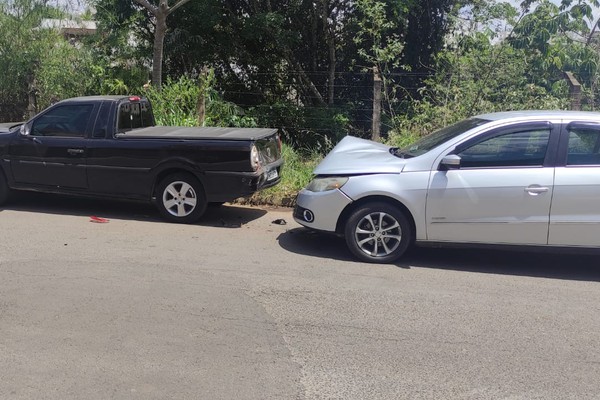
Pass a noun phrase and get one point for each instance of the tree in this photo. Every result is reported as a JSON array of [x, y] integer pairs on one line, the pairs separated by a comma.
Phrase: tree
[[380, 45], [39, 65], [559, 39], [160, 13]]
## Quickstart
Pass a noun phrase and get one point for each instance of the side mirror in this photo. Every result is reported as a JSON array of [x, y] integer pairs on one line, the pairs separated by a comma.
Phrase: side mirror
[[451, 161], [25, 129]]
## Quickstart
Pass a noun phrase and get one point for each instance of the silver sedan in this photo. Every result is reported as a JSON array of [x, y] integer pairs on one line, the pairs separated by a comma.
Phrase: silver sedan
[[527, 178]]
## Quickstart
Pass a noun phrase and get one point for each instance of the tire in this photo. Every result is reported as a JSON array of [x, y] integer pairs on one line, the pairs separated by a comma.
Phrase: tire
[[4, 189], [378, 233], [180, 198]]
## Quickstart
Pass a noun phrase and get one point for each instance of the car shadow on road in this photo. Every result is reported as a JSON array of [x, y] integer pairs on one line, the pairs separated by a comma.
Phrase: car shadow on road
[[553, 264], [315, 244], [225, 216]]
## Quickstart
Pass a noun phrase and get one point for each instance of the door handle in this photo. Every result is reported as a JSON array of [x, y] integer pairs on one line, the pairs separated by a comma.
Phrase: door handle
[[535, 190], [75, 152]]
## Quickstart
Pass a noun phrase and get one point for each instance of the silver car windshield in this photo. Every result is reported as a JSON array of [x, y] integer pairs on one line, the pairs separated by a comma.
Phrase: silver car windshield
[[438, 137]]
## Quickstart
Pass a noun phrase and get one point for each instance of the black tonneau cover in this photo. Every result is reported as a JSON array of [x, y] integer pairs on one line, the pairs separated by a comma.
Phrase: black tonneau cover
[[199, 133]]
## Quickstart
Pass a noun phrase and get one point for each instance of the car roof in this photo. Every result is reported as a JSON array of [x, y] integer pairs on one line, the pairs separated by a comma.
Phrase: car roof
[[98, 98], [538, 114]]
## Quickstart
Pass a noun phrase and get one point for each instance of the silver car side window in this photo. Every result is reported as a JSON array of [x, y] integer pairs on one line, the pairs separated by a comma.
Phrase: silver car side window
[[584, 146], [515, 149]]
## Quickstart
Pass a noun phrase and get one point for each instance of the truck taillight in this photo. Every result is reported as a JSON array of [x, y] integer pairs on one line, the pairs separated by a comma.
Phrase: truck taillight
[[254, 158], [134, 98]]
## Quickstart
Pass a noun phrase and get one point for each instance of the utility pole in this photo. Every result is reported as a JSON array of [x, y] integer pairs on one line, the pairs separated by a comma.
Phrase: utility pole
[[203, 83], [32, 92], [574, 91], [375, 130]]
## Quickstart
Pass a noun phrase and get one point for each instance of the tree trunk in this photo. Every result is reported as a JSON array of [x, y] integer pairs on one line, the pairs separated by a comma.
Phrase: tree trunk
[[331, 79], [329, 32], [313, 37], [159, 40], [160, 30]]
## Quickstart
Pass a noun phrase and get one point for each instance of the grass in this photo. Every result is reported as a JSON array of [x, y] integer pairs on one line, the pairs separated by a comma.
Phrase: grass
[[295, 174]]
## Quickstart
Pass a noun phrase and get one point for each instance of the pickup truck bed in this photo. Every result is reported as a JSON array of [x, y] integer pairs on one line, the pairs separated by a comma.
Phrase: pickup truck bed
[[199, 133]]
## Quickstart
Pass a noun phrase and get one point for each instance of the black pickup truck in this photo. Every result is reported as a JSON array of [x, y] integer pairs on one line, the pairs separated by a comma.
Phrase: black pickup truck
[[109, 146]]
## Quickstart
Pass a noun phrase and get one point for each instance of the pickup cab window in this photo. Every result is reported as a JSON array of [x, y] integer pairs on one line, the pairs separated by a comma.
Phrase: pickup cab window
[[63, 121], [134, 115]]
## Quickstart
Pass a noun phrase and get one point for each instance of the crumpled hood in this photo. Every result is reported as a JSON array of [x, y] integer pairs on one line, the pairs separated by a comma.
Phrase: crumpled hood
[[353, 156]]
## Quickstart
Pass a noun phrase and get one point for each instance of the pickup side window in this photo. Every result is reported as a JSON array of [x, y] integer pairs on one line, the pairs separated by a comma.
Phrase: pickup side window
[[63, 121], [134, 115], [584, 146]]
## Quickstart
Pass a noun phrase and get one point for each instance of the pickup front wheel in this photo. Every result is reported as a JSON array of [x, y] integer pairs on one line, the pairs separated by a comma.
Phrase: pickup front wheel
[[180, 198]]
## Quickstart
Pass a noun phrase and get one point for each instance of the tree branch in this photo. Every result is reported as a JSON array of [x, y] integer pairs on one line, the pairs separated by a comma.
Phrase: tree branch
[[146, 4], [176, 6]]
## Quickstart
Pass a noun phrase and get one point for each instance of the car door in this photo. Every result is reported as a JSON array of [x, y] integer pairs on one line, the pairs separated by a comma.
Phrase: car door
[[502, 191], [52, 152], [575, 212]]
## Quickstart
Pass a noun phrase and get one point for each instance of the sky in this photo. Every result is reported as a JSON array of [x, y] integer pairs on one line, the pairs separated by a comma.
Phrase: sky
[[78, 6]]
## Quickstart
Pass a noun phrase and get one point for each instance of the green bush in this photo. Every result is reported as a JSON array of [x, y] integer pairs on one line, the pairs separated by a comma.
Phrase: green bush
[[176, 104], [296, 173]]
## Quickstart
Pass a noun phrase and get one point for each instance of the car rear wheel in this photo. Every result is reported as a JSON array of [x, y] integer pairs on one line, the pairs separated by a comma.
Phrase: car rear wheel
[[180, 198], [378, 233]]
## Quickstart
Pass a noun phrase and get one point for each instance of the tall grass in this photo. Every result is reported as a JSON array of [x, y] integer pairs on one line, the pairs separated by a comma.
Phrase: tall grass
[[295, 174]]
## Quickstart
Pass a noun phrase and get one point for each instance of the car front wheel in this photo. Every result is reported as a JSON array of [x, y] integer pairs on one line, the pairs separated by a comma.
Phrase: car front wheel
[[378, 233], [180, 198]]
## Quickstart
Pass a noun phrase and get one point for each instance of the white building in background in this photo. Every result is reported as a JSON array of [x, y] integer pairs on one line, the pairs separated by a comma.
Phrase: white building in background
[[70, 28]]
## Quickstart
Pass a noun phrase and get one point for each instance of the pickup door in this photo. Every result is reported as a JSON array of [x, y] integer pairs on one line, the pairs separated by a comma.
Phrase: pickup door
[[53, 153]]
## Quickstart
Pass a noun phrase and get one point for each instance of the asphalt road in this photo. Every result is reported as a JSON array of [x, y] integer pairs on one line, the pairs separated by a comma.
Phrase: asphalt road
[[239, 307]]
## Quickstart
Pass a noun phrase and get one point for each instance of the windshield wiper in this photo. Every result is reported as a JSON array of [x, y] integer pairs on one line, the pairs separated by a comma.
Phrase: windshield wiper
[[396, 151]]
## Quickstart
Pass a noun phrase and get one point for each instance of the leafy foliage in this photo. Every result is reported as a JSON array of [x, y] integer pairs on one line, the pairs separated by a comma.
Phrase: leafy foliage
[[40, 62], [305, 67], [176, 104]]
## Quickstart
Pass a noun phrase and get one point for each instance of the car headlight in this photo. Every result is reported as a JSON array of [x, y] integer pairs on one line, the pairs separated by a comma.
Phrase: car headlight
[[325, 184]]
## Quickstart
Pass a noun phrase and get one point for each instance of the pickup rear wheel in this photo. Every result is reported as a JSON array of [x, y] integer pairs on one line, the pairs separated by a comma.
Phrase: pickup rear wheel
[[378, 232], [180, 198]]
